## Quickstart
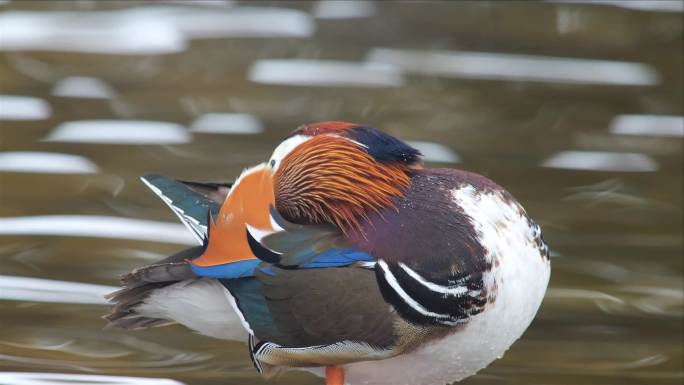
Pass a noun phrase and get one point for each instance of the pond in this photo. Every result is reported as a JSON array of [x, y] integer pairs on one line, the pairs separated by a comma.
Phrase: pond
[[575, 108]]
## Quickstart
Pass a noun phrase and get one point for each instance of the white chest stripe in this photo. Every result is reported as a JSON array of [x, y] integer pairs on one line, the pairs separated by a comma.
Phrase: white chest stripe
[[455, 290], [394, 284]]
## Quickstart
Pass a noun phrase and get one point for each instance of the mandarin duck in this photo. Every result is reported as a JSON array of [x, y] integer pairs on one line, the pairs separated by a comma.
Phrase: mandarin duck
[[344, 256]]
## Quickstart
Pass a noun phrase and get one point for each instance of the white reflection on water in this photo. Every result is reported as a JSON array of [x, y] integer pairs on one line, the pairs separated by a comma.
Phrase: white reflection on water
[[601, 161], [209, 3], [119, 132], [299, 72], [487, 65], [227, 123], [45, 163], [48, 290], [343, 9], [658, 300], [435, 152], [97, 226], [642, 5], [73, 346], [82, 87], [198, 23], [661, 301], [605, 302], [145, 30], [113, 32], [27, 378], [14, 107], [648, 125], [613, 192]]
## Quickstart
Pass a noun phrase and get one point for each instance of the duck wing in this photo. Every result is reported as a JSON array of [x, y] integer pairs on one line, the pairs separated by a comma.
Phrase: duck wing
[[309, 298], [321, 316], [141, 282], [190, 201]]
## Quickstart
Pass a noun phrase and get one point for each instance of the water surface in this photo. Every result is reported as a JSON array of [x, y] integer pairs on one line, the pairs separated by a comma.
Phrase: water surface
[[575, 108]]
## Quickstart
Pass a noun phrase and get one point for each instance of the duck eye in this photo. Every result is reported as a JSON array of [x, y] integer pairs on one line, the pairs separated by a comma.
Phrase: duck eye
[[272, 162]]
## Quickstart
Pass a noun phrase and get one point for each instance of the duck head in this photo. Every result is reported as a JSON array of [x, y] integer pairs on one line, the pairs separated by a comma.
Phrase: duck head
[[330, 172], [338, 172]]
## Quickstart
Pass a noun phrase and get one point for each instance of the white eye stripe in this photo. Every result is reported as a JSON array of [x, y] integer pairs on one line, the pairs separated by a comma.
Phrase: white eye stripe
[[285, 148]]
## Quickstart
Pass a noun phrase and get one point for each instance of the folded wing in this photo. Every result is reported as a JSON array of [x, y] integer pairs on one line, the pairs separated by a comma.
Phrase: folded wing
[[190, 201]]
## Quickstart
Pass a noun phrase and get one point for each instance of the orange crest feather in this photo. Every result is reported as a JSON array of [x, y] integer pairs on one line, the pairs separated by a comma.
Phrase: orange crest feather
[[330, 179]]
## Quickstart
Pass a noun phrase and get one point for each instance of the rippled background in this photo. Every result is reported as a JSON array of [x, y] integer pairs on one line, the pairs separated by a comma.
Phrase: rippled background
[[575, 107]]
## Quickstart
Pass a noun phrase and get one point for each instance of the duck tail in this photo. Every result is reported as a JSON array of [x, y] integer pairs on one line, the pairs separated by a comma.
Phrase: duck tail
[[139, 284]]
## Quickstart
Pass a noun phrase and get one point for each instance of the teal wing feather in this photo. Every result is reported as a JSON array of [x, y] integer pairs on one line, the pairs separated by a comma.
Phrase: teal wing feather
[[190, 201], [299, 308], [311, 289]]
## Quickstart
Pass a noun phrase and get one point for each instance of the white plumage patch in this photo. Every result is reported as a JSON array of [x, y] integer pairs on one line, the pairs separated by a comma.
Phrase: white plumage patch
[[500, 224], [202, 305], [285, 148]]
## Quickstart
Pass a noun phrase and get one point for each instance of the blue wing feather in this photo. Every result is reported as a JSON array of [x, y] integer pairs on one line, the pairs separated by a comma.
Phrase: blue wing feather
[[246, 268], [337, 258], [295, 247], [239, 269]]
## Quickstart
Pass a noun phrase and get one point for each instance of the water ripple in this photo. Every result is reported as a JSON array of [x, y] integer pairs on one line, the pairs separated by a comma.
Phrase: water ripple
[[48, 290], [45, 163], [96, 226], [93, 351], [14, 107], [501, 66], [28, 378], [321, 73], [601, 161], [119, 132]]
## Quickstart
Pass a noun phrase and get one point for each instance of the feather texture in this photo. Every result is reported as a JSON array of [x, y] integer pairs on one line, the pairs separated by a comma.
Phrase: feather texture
[[139, 284], [190, 201], [304, 246], [332, 180]]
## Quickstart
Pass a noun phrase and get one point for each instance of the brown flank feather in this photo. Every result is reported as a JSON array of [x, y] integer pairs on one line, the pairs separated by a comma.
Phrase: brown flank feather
[[330, 179]]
